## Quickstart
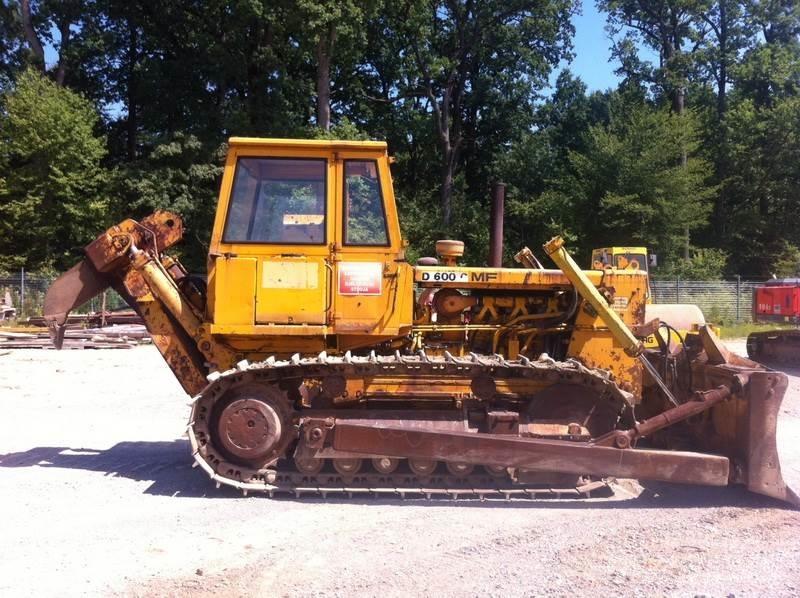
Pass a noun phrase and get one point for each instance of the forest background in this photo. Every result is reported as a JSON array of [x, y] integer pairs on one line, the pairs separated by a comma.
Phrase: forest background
[[693, 154]]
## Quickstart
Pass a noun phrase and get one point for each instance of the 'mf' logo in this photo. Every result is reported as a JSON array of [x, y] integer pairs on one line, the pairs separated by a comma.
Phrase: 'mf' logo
[[483, 276]]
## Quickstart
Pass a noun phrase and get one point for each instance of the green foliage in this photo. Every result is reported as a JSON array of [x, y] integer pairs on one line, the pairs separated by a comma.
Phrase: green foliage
[[458, 89], [634, 172], [344, 129], [764, 185], [624, 182], [787, 262], [704, 264], [181, 174], [53, 196], [365, 222]]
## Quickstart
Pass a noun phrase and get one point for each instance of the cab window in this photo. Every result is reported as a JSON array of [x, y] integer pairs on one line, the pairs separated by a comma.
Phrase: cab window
[[630, 261], [364, 216], [600, 259], [277, 200]]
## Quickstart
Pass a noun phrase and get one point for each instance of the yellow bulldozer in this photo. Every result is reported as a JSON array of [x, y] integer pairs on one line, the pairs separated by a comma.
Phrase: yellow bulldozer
[[319, 360]]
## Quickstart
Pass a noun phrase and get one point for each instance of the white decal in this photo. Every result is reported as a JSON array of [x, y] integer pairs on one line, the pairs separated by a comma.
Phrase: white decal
[[360, 278]]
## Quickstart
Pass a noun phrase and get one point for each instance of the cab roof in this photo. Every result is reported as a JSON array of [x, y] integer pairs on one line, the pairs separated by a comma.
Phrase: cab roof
[[330, 144]]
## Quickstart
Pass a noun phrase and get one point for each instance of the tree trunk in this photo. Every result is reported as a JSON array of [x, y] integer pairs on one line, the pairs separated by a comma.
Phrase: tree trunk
[[687, 230], [721, 170], [723, 61], [61, 70], [324, 54], [446, 192], [132, 124], [678, 96], [30, 33]]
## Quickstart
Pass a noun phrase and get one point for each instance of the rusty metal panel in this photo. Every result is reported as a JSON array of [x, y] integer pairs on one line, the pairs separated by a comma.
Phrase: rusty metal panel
[[533, 454], [765, 395]]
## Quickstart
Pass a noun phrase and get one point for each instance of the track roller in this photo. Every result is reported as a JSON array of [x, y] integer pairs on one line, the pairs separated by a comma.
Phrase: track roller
[[496, 471], [459, 469], [422, 467], [347, 467], [309, 466], [385, 465]]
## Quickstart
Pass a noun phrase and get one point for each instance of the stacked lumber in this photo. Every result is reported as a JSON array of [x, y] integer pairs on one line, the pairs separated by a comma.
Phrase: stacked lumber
[[96, 319], [120, 336]]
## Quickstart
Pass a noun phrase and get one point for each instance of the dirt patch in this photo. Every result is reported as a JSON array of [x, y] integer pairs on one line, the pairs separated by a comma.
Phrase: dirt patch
[[100, 498]]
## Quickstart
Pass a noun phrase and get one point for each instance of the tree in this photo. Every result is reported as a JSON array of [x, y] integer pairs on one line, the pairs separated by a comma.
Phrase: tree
[[635, 184], [53, 200], [454, 49], [50, 22], [539, 170], [666, 26], [764, 185], [770, 68], [337, 28], [670, 28], [726, 35], [181, 174]]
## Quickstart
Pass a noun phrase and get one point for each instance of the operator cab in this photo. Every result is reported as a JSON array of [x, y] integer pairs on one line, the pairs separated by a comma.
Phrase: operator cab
[[307, 235], [620, 258]]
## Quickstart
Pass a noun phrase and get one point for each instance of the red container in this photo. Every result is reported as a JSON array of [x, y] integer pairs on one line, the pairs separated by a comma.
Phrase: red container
[[777, 301]]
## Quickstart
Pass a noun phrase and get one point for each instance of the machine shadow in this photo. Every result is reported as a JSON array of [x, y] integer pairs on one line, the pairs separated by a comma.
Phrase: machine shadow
[[167, 465]]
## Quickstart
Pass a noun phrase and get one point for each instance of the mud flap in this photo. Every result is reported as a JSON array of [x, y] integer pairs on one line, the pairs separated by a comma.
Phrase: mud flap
[[72, 289]]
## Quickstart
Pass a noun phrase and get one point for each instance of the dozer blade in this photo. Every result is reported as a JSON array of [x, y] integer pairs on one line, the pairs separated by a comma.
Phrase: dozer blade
[[745, 427], [72, 289], [763, 475]]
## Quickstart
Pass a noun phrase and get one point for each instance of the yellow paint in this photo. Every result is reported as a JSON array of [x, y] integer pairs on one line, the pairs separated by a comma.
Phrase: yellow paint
[[296, 284], [621, 258], [234, 283], [290, 291], [555, 249], [278, 274], [280, 298]]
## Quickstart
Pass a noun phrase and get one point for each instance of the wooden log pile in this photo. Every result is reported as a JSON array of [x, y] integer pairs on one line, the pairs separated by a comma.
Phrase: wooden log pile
[[95, 319], [117, 336]]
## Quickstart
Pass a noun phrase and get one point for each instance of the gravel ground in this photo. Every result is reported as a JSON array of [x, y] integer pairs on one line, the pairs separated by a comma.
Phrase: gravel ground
[[99, 498]]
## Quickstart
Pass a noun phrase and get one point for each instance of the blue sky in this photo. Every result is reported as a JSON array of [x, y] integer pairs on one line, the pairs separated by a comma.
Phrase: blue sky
[[592, 49]]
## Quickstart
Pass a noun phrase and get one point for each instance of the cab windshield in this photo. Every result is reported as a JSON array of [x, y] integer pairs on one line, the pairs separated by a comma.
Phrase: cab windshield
[[277, 200]]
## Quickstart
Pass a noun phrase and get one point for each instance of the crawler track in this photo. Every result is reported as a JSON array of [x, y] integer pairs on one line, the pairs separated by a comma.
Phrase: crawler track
[[280, 476]]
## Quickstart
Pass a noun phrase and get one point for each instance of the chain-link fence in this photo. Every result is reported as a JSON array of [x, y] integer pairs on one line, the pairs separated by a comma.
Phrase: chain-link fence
[[722, 301], [26, 293]]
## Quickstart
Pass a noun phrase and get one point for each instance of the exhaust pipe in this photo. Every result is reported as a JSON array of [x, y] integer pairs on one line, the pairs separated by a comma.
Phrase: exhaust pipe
[[496, 225]]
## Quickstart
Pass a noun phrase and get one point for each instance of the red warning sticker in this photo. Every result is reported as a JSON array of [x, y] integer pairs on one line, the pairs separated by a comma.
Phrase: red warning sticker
[[360, 278]]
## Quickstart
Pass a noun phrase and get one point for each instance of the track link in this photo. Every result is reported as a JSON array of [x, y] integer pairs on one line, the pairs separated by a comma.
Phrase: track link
[[280, 477]]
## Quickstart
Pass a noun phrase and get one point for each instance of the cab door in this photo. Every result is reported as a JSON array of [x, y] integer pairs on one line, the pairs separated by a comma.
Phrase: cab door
[[293, 278], [279, 218], [370, 282]]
